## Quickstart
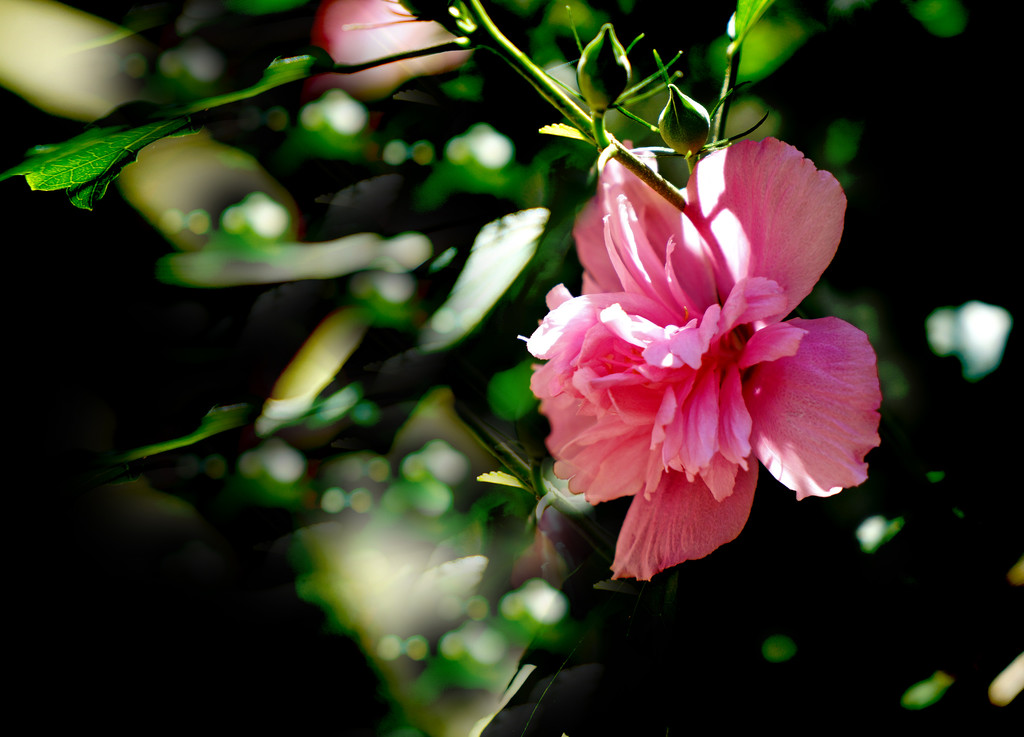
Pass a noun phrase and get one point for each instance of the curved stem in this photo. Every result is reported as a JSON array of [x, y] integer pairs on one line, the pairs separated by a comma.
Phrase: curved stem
[[731, 72], [533, 74], [458, 44], [569, 108]]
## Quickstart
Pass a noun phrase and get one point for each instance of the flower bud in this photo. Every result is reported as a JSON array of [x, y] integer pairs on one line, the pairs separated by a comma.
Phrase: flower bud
[[684, 123], [603, 71]]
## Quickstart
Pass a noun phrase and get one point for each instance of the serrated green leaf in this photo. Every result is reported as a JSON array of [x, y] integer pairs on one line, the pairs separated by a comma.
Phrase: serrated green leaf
[[85, 165], [748, 12]]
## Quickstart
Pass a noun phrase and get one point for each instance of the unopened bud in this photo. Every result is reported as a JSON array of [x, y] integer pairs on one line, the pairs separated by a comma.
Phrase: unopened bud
[[684, 123], [603, 72]]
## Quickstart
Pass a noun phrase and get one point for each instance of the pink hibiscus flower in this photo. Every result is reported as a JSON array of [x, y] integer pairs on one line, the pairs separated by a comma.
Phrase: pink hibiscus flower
[[357, 31], [675, 372]]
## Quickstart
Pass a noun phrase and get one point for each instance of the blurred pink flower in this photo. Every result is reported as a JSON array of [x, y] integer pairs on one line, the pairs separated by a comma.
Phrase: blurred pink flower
[[356, 31], [674, 372]]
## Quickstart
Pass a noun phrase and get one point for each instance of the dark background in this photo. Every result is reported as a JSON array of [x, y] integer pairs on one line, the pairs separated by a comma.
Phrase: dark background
[[99, 346]]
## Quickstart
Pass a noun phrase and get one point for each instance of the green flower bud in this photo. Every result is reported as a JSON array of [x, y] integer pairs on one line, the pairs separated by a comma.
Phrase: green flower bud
[[684, 123], [603, 72]]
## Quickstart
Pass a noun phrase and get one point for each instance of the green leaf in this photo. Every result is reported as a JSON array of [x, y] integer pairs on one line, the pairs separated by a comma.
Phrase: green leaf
[[501, 478], [219, 419], [564, 130], [114, 468], [501, 250], [748, 12], [282, 70], [87, 163]]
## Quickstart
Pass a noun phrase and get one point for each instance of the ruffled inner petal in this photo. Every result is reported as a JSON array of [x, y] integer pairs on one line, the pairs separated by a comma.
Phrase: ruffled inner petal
[[771, 343], [734, 423]]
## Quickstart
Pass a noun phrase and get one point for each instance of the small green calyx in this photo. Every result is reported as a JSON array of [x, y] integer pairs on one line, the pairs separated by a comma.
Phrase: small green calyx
[[603, 72], [684, 123]]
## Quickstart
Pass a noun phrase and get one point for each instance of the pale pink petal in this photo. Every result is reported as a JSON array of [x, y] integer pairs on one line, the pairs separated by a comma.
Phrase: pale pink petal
[[589, 233], [681, 521], [815, 414], [556, 296], [601, 458], [638, 263], [631, 328], [568, 317], [766, 211], [771, 343], [612, 468], [689, 264], [700, 423], [635, 405], [630, 239], [690, 344], [567, 335], [720, 476], [734, 422], [751, 300]]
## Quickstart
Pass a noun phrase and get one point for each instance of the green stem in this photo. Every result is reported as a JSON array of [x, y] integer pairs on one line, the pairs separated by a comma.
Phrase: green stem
[[731, 72], [600, 134], [568, 107], [533, 74], [650, 177], [293, 69]]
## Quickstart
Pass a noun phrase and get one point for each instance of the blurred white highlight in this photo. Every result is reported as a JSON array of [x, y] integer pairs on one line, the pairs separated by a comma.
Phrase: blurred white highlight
[[482, 144], [975, 332]]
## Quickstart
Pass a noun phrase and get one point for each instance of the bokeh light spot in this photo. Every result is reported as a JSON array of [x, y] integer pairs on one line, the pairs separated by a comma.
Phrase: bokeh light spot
[[975, 332], [481, 144], [876, 530], [778, 648], [925, 693], [283, 462], [417, 647], [333, 500], [536, 599], [361, 501], [389, 647]]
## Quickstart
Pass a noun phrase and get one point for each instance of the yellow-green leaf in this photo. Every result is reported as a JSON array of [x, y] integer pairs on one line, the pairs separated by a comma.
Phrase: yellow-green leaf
[[500, 477]]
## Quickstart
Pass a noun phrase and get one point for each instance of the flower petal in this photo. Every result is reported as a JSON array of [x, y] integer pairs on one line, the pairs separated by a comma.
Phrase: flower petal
[[815, 414], [766, 211], [630, 239], [600, 456], [776, 341], [681, 521], [734, 422]]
